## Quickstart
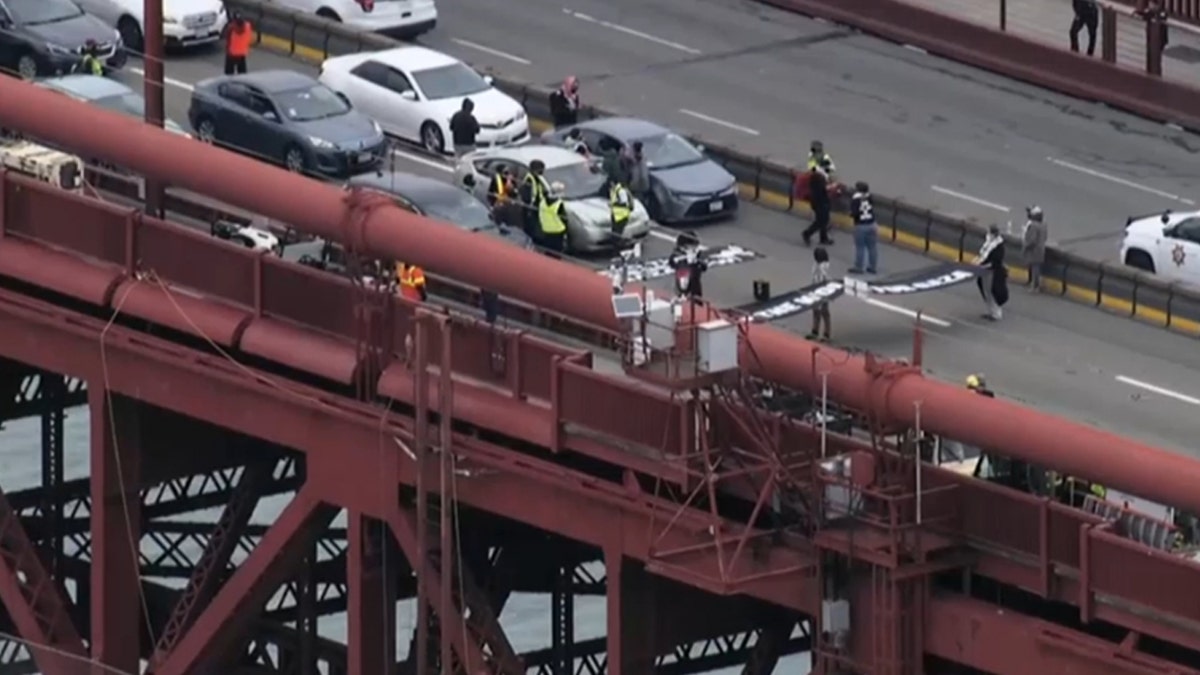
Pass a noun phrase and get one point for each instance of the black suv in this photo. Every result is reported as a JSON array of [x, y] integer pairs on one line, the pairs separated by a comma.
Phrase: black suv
[[47, 38]]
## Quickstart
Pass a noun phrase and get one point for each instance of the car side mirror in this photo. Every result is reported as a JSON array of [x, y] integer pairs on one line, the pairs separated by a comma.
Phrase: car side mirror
[[489, 79], [408, 95]]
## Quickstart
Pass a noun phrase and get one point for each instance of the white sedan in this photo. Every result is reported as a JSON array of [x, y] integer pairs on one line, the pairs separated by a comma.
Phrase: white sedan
[[412, 92], [1167, 244], [185, 22], [397, 18]]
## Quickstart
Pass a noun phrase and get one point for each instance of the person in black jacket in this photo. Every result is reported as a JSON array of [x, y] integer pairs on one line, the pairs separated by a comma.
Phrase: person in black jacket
[[464, 128], [564, 103], [993, 277], [1087, 15], [818, 199], [866, 231], [689, 264]]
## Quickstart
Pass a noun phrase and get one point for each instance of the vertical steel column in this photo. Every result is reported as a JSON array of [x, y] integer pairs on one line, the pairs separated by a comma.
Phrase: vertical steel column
[[306, 598], [445, 503], [371, 614], [631, 618], [562, 621], [421, 448], [52, 390], [116, 530], [152, 89]]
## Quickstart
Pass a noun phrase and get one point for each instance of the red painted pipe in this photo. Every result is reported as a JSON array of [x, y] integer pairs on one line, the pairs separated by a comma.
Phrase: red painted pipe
[[577, 292]]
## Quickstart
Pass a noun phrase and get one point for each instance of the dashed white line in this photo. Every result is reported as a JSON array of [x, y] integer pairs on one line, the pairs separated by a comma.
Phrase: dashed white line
[[491, 50], [1118, 180], [630, 31], [968, 198], [719, 122], [186, 86], [1161, 391], [933, 320]]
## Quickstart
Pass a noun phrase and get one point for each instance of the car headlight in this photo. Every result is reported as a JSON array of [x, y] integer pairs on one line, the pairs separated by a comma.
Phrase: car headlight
[[318, 142], [58, 49], [378, 129], [521, 115]]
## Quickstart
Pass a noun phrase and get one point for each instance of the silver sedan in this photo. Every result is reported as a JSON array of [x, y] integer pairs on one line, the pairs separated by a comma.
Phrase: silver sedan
[[589, 222]]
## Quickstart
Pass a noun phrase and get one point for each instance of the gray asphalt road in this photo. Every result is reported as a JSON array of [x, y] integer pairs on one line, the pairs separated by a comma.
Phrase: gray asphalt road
[[933, 132], [1058, 356]]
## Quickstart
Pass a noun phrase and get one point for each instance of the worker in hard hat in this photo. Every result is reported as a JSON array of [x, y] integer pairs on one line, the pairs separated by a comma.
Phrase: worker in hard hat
[[977, 384], [552, 216], [411, 281]]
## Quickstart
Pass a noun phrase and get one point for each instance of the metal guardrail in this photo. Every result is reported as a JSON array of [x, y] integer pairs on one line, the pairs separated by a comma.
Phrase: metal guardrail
[[1108, 285]]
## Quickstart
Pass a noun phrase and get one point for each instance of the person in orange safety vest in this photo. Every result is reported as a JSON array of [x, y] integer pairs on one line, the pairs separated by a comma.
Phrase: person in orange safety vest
[[239, 36], [411, 279]]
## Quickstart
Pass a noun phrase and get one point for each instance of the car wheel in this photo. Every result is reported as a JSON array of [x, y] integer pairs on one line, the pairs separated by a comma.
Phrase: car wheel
[[326, 13], [131, 36], [431, 138], [1140, 260], [294, 160], [206, 130], [27, 67]]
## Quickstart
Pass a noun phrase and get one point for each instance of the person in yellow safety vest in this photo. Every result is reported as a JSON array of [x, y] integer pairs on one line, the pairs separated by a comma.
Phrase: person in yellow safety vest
[[976, 383], [552, 216], [89, 61], [819, 159], [533, 193], [620, 205], [411, 279], [501, 195]]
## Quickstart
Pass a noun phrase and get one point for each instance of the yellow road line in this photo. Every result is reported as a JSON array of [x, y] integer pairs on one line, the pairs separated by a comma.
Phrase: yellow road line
[[781, 202]]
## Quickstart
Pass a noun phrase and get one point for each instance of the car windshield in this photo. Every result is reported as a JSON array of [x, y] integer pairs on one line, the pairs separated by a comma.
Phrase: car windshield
[[450, 81], [311, 103], [669, 150], [580, 179], [459, 208], [34, 12]]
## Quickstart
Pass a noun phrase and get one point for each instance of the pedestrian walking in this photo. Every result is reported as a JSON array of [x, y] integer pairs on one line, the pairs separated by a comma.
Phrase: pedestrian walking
[[1033, 245], [993, 277], [866, 231], [818, 199], [464, 128], [1087, 15], [820, 318]]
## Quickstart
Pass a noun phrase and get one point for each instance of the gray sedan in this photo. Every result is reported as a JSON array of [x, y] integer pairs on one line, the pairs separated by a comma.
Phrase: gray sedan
[[287, 117], [685, 186], [105, 93]]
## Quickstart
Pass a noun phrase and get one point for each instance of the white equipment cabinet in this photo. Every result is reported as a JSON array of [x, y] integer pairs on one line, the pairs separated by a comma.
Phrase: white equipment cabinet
[[45, 164]]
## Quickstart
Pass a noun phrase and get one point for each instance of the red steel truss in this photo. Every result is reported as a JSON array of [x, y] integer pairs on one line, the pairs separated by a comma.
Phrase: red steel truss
[[459, 450], [885, 394]]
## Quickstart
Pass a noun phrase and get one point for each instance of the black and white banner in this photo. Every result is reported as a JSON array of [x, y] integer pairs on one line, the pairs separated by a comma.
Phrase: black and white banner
[[658, 268], [799, 301]]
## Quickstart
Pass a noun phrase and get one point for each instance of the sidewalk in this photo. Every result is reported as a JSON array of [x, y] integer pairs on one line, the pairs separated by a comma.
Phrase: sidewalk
[[1049, 21]]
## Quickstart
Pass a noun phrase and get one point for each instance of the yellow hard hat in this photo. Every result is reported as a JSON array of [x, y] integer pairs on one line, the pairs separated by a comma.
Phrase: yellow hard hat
[[974, 382]]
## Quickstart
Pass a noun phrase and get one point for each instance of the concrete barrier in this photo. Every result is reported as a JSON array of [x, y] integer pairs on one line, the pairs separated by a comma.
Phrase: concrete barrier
[[1110, 286]]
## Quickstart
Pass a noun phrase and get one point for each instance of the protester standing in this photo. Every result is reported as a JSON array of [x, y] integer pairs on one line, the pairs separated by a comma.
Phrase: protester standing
[[1087, 15], [866, 231], [239, 36], [818, 199], [1033, 245], [564, 103], [993, 277], [464, 128], [820, 320]]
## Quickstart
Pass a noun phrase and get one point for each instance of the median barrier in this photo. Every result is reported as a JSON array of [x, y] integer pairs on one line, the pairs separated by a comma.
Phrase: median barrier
[[1110, 286]]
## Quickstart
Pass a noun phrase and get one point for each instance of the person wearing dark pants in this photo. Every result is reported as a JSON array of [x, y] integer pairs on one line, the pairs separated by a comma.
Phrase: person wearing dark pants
[[1087, 15], [239, 36], [820, 320], [818, 198], [464, 128]]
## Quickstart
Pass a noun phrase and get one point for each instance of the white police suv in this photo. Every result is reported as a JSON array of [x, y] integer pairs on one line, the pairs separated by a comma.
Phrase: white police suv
[[1166, 244]]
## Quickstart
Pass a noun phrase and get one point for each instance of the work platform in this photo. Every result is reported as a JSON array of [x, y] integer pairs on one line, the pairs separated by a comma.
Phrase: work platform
[[473, 462]]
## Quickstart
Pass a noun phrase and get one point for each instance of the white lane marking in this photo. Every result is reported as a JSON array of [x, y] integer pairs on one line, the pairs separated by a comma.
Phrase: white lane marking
[[906, 312], [1119, 181], [719, 122], [630, 31], [663, 236], [1161, 391], [423, 161], [968, 198], [186, 86], [490, 50]]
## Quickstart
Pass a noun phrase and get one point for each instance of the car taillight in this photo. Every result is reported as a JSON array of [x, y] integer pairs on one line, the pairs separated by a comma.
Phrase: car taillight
[[367, 5]]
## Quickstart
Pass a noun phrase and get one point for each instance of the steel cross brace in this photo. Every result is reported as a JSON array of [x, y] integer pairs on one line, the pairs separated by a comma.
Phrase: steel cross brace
[[34, 602], [482, 628], [206, 575], [235, 606]]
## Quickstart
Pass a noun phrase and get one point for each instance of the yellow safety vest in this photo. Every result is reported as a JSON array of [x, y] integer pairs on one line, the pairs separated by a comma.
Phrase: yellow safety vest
[[548, 216], [619, 203], [814, 161], [538, 192], [1098, 490], [92, 65]]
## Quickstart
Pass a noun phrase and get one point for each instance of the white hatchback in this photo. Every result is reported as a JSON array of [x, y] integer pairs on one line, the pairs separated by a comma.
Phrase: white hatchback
[[406, 18], [185, 22], [1167, 244], [412, 92]]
